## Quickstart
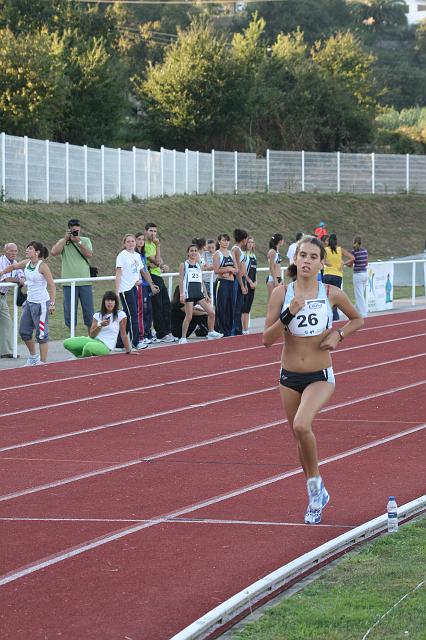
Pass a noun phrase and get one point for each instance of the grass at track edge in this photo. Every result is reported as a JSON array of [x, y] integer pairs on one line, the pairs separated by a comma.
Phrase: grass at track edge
[[346, 599]]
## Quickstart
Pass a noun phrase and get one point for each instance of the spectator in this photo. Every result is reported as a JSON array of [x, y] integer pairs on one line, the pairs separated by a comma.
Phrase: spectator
[[333, 270], [161, 302], [192, 292], [225, 269], [127, 273], [240, 283], [39, 304], [106, 325], [207, 266], [75, 250], [17, 275], [146, 290], [274, 261], [320, 231], [198, 322], [251, 266], [292, 248], [360, 276]]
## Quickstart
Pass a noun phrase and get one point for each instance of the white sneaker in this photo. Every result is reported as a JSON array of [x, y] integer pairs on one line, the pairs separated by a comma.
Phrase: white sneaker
[[214, 335], [141, 345], [318, 499], [33, 360], [183, 341], [153, 339], [168, 338], [245, 333], [147, 341]]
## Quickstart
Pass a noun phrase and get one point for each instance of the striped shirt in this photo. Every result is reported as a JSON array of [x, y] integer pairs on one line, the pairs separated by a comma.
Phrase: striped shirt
[[16, 273], [361, 259]]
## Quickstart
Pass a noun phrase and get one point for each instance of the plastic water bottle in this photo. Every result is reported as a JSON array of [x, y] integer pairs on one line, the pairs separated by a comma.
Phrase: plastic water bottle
[[392, 515]]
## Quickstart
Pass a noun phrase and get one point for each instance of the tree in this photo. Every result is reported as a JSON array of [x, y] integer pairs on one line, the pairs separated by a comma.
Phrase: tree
[[33, 88], [195, 96], [378, 14]]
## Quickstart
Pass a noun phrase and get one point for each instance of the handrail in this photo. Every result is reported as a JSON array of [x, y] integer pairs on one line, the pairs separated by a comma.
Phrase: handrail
[[169, 275]]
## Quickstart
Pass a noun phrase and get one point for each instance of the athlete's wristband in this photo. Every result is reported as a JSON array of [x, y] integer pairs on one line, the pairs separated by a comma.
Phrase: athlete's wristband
[[286, 317]]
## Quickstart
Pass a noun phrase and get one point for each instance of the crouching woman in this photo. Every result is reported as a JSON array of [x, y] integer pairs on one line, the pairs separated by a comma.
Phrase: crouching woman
[[106, 325]]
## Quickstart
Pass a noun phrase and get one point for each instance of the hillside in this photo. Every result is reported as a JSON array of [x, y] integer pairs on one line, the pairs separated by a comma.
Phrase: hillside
[[390, 225]]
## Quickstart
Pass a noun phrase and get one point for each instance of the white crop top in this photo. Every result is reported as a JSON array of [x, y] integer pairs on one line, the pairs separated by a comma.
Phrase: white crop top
[[315, 317]]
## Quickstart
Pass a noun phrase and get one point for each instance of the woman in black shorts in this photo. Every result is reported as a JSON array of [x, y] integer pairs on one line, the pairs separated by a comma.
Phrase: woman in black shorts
[[251, 267], [301, 313], [192, 291]]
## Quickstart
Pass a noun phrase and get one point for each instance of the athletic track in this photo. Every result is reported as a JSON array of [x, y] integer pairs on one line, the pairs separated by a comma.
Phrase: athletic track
[[140, 492]]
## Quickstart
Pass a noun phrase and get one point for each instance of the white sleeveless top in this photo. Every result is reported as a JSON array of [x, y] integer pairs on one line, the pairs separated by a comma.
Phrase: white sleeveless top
[[315, 316], [36, 283], [192, 280]]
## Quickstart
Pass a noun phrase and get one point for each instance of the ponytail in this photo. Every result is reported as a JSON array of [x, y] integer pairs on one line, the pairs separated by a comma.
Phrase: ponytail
[[357, 243], [43, 252]]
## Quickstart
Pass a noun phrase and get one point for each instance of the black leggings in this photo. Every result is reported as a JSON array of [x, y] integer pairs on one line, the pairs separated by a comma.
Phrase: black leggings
[[129, 302]]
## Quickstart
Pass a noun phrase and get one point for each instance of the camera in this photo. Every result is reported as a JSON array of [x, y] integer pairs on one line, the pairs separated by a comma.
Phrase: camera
[[74, 233]]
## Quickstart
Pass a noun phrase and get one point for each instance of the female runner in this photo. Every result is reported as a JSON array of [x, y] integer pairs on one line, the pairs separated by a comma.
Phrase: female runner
[[192, 291], [40, 303], [225, 269], [302, 313], [274, 262]]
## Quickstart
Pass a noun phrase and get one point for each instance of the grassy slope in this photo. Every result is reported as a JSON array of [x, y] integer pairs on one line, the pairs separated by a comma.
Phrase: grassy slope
[[390, 225]]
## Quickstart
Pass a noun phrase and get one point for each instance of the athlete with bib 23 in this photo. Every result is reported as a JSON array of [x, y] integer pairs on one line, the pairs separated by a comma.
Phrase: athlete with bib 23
[[302, 313]]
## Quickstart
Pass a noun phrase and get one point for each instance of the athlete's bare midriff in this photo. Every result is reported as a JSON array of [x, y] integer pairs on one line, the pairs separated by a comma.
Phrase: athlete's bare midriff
[[303, 354]]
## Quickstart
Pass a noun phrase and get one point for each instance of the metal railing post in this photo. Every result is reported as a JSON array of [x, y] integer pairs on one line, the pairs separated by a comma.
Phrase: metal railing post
[[174, 172], [373, 173], [338, 171], [213, 176], [85, 173], [72, 310], [148, 168], [26, 168], [413, 284], [134, 171], [3, 167], [236, 172], [303, 170], [267, 170], [15, 322], [198, 173], [47, 169], [186, 171], [119, 171], [67, 173], [102, 173], [162, 170], [407, 173]]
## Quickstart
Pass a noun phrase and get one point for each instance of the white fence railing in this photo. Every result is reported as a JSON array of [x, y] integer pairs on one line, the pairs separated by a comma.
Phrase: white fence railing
[[47, 171], [416, 279]]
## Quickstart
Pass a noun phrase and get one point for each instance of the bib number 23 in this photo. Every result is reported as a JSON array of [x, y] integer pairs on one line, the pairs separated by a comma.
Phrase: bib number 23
[[304, 321]]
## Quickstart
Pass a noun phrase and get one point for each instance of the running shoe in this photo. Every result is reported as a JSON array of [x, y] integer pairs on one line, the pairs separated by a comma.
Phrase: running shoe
[[318, 499], [168, 338], [147, 341], [33, 360], [214, 335], [183, 341], [141, 345]]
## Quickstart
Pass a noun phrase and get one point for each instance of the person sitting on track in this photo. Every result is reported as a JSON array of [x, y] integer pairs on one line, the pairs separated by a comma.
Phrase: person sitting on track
[[106, 326], [301, 312], [192, 291]]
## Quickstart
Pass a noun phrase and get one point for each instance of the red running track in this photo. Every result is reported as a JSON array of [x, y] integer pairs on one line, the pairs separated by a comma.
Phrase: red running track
[[137, 494]]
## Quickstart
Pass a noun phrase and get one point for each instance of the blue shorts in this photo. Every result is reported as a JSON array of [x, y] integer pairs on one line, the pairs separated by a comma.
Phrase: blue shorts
[[299, 381]]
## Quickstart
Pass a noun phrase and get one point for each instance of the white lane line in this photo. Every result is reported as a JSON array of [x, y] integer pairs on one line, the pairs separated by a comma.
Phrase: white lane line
[[176, 521], [173, 361], [137, 366], [180, 409], [185, 448], [106, 539], [110, 394]]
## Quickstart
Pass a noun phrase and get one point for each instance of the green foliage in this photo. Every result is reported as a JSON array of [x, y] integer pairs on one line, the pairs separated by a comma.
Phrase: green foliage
[[32, 86], [379, 14], [402, 132], [316, 18], [194, 97]]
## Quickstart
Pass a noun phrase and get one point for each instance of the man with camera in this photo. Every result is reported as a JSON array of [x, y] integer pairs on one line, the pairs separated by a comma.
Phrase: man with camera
[[75, 251], [8, 258]]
